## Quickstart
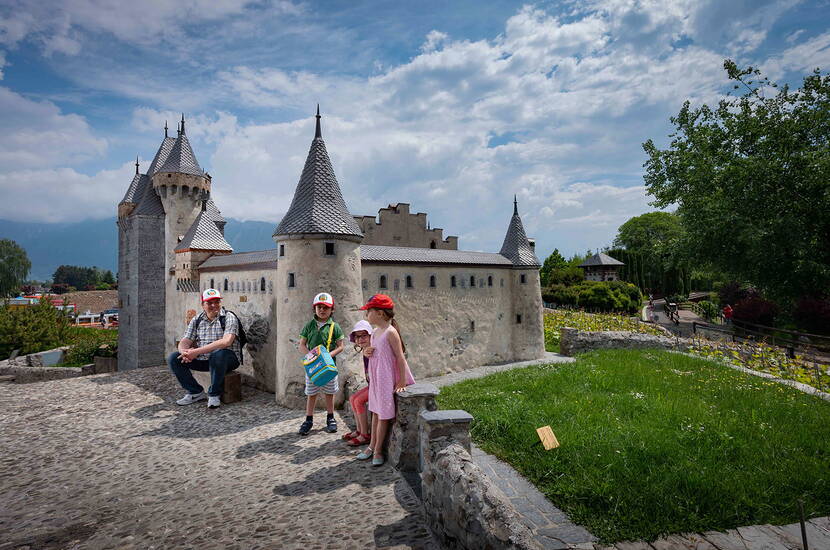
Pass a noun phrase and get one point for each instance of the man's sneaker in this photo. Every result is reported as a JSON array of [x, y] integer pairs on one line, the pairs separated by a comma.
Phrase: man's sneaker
[[331, 425], [191, 398], [214, 402], [305, 427]]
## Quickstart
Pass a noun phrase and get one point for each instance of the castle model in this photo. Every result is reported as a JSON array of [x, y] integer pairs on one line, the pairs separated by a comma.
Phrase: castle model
[[457, 309]]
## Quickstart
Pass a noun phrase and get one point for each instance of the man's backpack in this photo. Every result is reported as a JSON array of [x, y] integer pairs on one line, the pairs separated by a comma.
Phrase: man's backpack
[[243, 339]]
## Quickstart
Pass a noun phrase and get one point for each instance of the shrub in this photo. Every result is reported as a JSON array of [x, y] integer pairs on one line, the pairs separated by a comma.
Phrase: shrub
[[560, 295], [567, 276], [755, 310], [600, 297], [32, 329], [88, 342], [733, 292], [710, 309], [812, 314]]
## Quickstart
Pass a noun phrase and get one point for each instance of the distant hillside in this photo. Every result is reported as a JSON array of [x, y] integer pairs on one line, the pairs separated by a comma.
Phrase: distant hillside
[[95, 242]]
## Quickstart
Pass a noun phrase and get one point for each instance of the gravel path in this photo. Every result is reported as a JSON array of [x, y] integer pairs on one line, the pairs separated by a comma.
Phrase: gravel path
[[109, 461]]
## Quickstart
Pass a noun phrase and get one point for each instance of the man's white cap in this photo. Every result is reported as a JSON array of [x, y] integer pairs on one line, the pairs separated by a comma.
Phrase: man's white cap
[[211, 294], [323, 298]]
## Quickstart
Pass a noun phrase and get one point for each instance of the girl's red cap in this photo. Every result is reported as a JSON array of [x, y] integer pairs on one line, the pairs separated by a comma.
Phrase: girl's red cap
[[379, 301]]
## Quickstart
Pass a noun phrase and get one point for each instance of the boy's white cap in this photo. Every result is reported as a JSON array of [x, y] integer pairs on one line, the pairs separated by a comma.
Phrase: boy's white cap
[[323, 298], [211, 294], [363, 324]]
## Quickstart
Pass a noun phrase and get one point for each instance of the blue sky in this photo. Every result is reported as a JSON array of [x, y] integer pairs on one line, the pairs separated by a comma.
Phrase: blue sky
[[453, 107]]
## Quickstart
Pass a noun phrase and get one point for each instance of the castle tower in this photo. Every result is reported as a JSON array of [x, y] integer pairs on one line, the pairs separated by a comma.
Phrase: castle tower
[[317, 250], [528, 337], [141, 275], [179, 182]]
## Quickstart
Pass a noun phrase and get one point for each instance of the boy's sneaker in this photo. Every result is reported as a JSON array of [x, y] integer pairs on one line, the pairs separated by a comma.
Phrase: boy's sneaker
[[214, 402], [305, 427], [331, 425], [191, 398]]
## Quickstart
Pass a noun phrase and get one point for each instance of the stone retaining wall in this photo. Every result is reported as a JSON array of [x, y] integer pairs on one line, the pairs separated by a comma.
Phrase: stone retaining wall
[[463, 508], [27, 375], [573, 341]]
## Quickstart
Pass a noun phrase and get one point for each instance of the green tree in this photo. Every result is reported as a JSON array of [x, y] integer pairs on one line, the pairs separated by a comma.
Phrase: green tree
[[14, 267], [554, 261], [751, 181], [650, 233]]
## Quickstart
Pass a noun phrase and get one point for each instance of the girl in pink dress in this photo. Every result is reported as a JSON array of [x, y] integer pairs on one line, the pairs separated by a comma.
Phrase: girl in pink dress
[[388, 372]]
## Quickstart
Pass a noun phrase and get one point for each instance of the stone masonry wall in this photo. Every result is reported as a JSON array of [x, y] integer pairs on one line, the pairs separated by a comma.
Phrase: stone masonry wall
[[398, 227], [573, 341], [449, 329]]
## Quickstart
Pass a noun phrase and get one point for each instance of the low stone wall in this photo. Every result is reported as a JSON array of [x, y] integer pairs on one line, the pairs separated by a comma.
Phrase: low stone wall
[[573, 341], [463, 507], [27, 375]]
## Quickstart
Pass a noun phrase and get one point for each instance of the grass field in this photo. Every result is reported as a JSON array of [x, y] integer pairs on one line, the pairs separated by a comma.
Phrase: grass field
[[655, 442]]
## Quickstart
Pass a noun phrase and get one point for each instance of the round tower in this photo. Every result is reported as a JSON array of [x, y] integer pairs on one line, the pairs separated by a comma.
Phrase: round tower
[[528, 332], [317, 251], [179, 181]]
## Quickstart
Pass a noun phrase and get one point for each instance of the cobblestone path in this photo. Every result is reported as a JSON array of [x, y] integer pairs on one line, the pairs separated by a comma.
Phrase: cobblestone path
[[109, 461]]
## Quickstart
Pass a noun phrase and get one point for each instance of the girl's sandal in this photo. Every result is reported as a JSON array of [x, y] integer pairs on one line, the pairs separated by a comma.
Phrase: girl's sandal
[[361, 439], [350, 435], [366, 454]]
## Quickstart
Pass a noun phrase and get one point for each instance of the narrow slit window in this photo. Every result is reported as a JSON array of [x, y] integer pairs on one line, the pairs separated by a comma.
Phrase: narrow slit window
[[489, 280], [329, 249], [409, 281], [290, 280], [518, 318], [523, 278], [382, 282], [432, 281], [452, 281], [282, 250], [472, 281]]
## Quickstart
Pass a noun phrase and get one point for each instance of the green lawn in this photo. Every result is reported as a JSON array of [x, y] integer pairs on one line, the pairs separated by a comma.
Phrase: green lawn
[[655, 442]]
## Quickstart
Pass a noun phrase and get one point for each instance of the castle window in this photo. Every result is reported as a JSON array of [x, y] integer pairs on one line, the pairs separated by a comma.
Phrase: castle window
[[409, 281], [489, 280], [518, 318], [523, 278], [262, 284], [452, 281], [128, 299], [364, 284], [270, 287], [432, 244], [502, 283], [225, 287], [329, 249], [290, 280], [432, 281], [472, 281], [382, 282], [247, 285], [472, 326], [397, 284], [211, 284], [237, 286], [282, 250]]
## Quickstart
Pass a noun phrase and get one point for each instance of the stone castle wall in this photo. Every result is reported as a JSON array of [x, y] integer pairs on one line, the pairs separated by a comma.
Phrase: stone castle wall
[[397, 227]]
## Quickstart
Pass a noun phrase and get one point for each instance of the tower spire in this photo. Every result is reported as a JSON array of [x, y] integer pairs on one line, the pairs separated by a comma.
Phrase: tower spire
[[182, 123], [165, 128], [136, 165], [515, 206], [318, 133]]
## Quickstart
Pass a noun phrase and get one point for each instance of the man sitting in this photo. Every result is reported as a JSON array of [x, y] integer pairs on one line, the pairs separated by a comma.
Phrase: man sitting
[[210, 343]]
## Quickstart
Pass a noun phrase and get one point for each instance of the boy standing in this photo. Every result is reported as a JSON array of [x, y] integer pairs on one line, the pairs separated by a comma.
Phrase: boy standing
[[320, 331]]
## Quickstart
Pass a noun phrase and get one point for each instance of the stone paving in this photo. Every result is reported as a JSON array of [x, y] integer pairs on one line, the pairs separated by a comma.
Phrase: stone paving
[[109, 461]]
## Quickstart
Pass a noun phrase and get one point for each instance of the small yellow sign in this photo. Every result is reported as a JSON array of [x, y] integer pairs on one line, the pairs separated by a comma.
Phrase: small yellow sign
[[548, 439], [243, 298]]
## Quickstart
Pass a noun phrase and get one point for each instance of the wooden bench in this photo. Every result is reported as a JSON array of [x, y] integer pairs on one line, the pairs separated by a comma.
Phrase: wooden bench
[[233, 385]]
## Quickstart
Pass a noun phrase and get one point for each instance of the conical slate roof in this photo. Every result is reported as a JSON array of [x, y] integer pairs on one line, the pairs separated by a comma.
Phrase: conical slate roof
[[161, 155], [318, 205], [516, 247], [204, 235], [181, 159], [600, 259], [130, 195], [216, 216], [149, 203]]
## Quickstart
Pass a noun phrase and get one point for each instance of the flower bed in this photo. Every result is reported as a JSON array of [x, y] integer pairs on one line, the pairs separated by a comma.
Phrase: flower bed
[[593, 322]]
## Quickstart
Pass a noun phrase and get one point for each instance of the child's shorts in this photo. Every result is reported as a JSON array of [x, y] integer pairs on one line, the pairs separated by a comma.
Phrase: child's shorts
[[330, 388]]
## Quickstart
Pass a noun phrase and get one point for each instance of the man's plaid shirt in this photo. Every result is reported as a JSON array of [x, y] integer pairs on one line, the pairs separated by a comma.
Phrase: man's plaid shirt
[[208, 332]]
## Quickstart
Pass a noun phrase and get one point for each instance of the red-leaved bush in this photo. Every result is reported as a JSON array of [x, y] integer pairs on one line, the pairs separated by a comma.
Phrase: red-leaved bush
[[812, 315], [755, 310]]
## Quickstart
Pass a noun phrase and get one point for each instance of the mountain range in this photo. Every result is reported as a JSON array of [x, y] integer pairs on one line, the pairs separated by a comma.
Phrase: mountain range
[[95, 242]]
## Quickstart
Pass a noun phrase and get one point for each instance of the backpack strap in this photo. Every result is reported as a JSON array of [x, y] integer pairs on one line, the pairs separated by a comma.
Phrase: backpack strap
[[331, 331]]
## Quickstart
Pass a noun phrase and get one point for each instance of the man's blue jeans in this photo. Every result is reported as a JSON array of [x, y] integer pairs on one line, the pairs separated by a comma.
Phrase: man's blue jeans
[[219, 363]]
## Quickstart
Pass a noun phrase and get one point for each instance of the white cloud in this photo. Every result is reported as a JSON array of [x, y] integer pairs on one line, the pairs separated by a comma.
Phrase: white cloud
[[434, 41], [801, 58], [36, 134], [61, 194]]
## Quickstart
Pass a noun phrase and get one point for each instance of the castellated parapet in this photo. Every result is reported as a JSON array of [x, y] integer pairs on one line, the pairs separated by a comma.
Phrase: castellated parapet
[[457, 309]]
